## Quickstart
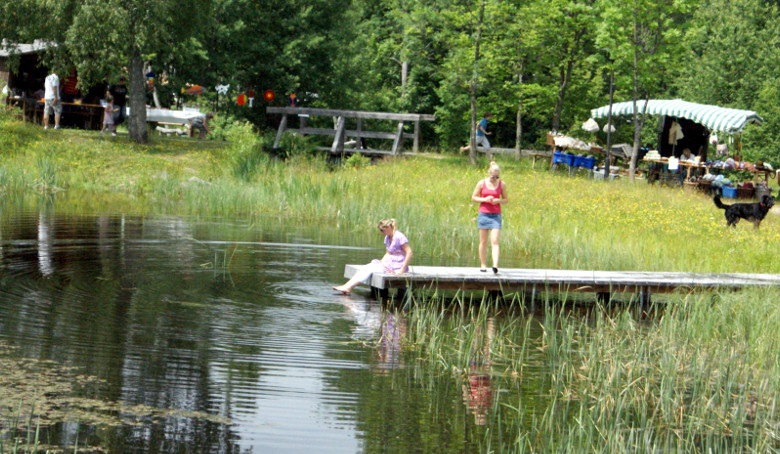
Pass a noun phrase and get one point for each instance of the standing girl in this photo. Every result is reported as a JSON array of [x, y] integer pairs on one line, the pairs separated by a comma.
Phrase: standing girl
[[108, 117], [490, 193]]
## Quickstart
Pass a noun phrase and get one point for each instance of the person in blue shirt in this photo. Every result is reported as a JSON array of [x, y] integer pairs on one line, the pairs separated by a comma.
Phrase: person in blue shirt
[[482, 133]]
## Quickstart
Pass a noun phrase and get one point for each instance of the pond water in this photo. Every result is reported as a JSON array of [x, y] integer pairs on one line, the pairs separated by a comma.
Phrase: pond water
[[229, 319]]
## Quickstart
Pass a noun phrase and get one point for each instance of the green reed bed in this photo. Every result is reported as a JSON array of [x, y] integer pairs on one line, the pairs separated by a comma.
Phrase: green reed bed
[[699, 374]]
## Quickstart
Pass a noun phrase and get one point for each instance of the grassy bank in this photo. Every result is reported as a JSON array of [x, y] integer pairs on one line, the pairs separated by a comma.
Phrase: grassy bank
[[553, 220]]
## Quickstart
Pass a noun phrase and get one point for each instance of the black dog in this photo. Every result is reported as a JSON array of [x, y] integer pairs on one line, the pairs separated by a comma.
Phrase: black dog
[[753, 212]]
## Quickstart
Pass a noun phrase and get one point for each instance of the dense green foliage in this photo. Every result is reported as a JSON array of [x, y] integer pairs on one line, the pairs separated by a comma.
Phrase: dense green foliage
[[542, 65]]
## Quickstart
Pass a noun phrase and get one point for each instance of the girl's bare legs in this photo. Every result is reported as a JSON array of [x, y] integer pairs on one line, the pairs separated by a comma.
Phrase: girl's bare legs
[[348, 286], [494, 234], [483, 238], [362, 274]]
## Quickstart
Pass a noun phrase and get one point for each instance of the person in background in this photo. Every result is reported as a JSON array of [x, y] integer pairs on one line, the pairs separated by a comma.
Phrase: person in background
[[293, 100], [108, 117], [201, 123], [69, 87], [51, 99], [119, 93], [490, 193], [687, 155], [482, 133], [398, 253]]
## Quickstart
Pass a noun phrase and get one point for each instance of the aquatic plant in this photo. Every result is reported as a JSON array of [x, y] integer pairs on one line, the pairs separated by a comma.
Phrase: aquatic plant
[[35, 395], [698, 374]]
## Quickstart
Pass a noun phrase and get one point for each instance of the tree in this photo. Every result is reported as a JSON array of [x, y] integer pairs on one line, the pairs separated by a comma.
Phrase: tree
[[642, 36], [731, 54], [101, 38]]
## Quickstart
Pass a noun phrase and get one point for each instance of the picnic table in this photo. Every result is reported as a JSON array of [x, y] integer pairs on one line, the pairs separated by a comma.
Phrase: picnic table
[[91, 114]]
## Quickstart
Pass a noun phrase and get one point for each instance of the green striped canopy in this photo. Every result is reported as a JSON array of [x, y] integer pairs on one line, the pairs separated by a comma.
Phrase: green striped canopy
[[713, 117]]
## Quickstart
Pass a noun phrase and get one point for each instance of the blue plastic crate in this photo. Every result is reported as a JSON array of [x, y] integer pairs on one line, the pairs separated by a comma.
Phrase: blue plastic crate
[[584, 161], [729, 192], [563, 158]]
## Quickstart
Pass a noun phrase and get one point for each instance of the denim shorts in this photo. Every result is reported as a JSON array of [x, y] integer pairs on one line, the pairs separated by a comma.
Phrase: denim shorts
[[489, 221]]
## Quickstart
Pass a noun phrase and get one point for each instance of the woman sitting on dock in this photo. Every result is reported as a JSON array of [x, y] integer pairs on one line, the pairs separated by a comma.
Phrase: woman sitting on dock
[[395, 260]]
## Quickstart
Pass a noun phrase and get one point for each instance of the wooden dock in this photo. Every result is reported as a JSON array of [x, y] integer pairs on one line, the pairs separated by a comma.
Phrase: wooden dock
[[508, 280]]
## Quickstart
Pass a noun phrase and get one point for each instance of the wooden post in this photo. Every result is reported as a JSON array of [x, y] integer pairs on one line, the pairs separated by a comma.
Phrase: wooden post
[[359, 138], [398, 138], [282, 127], [338, 141], [416, 143]]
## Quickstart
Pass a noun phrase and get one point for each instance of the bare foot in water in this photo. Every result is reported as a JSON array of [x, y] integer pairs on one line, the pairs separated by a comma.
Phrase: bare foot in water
[[342, 289]]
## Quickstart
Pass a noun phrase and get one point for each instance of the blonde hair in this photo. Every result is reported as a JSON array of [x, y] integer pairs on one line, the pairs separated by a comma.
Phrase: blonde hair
[[494, 166], [385, 223]]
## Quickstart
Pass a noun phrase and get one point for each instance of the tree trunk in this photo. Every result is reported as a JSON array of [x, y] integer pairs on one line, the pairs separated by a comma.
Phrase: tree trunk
[[473, 129], [637, 123], [572, 56], [136, 121], [404, 77], [519, 119], [473, 89], [563, 84]]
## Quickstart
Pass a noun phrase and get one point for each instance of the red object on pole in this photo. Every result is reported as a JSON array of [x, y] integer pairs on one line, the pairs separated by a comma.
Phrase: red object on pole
[[268, 95]]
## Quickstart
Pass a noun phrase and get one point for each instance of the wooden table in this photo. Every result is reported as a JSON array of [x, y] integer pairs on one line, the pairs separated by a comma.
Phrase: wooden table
[[690, 166], [33, 109]]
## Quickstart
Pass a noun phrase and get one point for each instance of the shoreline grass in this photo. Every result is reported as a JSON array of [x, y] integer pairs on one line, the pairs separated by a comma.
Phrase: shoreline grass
[[552, 220]]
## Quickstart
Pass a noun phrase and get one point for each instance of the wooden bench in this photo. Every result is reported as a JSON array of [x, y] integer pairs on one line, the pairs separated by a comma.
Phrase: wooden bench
[[168, 131], [340, 131]]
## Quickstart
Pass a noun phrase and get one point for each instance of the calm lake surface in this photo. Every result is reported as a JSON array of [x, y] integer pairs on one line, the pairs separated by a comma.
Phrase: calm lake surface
[[238, 321]]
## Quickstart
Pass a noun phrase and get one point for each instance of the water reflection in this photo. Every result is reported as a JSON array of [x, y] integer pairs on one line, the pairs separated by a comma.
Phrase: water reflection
[[478, 390], [224, 318]]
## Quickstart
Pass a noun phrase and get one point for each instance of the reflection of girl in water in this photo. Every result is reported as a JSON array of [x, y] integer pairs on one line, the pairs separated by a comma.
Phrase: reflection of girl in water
[[478, 392], [389, 348]]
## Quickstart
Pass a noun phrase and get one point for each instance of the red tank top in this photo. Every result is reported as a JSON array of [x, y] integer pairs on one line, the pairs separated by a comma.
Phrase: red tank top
[[486, 207]]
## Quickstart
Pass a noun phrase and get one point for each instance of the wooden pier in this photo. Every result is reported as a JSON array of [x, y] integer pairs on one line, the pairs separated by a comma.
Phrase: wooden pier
[[509, 280]]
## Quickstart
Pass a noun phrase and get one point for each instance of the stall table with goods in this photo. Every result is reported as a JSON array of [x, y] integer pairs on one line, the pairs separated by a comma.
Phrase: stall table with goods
[[572, 152], [708, 176]]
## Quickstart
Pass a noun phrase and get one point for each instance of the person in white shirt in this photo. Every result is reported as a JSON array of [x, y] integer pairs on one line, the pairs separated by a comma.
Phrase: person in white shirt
[[51, 100], [687, 155]]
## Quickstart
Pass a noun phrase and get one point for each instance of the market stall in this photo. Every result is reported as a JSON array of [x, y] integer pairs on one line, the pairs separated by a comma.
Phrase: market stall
[[685, 125]]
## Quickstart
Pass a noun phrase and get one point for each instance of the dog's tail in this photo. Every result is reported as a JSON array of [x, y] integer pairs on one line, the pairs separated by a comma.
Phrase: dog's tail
[[718, 203]]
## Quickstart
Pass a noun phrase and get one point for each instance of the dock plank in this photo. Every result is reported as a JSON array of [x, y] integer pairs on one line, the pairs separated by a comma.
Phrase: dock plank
[[519, 279]]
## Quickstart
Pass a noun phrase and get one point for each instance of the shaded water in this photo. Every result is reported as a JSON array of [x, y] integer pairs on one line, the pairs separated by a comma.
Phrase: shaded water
[[233, 320]]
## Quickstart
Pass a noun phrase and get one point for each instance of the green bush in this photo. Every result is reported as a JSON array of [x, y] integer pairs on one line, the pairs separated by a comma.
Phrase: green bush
[[357, 161], [246, 149], [294, 145]]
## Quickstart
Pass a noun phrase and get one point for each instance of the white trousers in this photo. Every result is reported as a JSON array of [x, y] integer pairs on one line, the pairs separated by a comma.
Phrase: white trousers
[[363, 275]]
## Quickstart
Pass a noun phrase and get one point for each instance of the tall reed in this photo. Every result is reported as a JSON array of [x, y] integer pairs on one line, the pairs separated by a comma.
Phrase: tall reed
[[699, 374]]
